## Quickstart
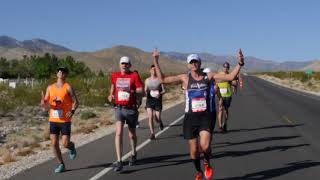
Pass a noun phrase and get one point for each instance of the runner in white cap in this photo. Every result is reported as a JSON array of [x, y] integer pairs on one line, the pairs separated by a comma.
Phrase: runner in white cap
[[198, 124]]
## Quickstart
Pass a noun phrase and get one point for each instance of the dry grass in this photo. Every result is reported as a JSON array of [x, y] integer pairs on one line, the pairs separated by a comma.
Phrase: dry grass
[[86, 128], [106, 122], [7, 157], [46, 133], [25, 151]]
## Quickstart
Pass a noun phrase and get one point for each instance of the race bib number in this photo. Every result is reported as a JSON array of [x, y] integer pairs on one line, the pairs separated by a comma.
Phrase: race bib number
[[199, 104], [223, 90], [57, 113], [123, 96], [154, 93]]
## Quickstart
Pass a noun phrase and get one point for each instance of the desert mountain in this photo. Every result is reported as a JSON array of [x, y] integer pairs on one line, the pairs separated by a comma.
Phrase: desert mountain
[[107, 59], [252, 63], [315, 66]]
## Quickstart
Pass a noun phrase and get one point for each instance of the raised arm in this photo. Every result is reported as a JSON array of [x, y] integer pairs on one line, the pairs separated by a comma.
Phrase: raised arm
[[162, 78], [234, 73]]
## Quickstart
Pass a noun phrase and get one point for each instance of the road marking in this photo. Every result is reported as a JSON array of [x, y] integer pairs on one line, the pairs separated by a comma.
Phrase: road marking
[[286, 119], [106, 170]]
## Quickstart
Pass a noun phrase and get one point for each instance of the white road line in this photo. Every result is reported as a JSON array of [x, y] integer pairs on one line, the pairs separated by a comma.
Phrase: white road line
[[106, 170]]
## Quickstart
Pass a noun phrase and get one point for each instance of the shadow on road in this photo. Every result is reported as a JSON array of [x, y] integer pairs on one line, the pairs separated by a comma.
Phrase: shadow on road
[[250, 152], [271, 173], [165, 160], [266, 139], [262, 128], [105, 165]]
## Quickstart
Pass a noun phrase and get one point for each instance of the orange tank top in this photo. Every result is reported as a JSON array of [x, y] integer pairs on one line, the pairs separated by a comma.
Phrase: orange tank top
[[60, 102]]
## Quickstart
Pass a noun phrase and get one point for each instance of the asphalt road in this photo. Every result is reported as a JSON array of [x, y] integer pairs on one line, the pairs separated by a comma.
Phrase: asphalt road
[[273, 134]]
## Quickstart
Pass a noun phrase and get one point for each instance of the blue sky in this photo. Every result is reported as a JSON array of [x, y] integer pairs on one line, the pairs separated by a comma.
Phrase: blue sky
[[278, 30]]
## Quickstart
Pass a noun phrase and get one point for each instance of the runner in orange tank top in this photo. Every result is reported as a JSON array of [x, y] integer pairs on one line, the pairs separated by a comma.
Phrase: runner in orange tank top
[[63, 102]]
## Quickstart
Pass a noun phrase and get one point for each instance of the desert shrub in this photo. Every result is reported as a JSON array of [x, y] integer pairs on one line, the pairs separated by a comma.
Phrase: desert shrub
[[87, 115]]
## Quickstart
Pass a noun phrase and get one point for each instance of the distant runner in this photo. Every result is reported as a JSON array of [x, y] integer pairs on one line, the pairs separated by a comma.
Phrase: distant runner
[[127, 90], [198, 124], [225, 102], [154, 91], [63, 102]]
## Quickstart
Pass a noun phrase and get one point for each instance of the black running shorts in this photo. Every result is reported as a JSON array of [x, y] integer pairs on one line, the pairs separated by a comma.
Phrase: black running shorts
[[226, 102], [195, 122], [155, 104], [64, 128]]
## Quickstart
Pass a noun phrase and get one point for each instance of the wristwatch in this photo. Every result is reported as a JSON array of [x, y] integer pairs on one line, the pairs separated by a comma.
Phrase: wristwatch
[[241, 64]]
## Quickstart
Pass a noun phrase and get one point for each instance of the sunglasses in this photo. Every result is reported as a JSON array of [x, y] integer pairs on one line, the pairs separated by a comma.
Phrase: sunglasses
[[125, 63], [193, 62]]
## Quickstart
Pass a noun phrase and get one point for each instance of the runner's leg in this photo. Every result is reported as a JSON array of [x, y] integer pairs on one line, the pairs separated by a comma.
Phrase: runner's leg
[[55, 147], [133, 140], [150, 117], [119, 139]]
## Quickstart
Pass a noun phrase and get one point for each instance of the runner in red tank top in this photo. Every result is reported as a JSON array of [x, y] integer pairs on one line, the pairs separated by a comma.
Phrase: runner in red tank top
[[126, 91]]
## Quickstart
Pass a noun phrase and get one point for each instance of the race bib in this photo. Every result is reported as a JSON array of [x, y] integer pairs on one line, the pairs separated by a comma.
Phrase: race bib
[[223, 90], [199, 104], [154, 93], [123, 96], [57, 113]]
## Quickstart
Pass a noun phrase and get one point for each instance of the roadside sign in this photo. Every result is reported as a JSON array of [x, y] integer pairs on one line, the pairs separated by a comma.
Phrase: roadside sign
[[309, 72]]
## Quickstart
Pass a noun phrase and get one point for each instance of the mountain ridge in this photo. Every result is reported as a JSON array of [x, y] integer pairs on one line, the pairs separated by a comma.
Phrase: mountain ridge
[[11, 48]]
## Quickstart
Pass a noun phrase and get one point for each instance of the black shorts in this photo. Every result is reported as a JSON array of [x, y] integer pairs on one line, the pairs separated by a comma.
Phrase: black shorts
[[226, 102], [195, 122], [155, 104], [63, 128]]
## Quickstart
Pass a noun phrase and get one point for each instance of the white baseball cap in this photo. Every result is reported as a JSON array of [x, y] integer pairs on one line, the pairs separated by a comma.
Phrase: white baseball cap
[[206, 70], [125, 59], [193, 57]]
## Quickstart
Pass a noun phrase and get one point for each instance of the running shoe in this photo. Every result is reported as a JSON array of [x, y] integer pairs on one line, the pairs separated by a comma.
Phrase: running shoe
[[199, 176], [60, 168], [117, 166], [152, 137], [73, 152], [220, 130], [133, 160], [208, 170]]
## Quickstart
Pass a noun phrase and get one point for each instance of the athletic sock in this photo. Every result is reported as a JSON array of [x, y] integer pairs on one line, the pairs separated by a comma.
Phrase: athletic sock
[[71, 146], [196, 163], [207, 156]]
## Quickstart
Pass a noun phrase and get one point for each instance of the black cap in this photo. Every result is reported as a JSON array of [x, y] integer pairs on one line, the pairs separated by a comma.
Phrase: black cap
[[63, 69]]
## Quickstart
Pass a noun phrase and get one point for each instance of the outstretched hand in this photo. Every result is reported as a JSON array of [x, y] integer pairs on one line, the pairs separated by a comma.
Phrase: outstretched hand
[[156, 53], [240, 56]]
